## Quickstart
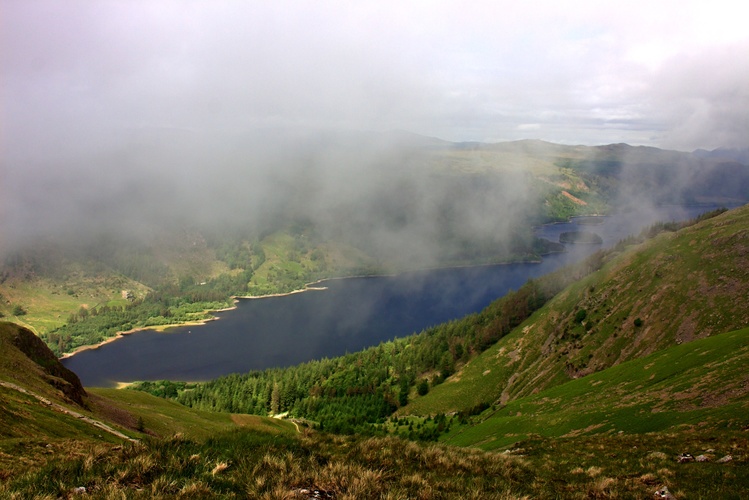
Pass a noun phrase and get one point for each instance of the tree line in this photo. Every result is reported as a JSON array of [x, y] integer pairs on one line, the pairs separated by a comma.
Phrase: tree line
[[169, 304], [356, 393]]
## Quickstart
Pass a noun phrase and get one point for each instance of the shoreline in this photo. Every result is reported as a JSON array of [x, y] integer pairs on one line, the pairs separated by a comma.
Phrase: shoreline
[[163, 328], [155, 328], [312, 285], [307, 287]]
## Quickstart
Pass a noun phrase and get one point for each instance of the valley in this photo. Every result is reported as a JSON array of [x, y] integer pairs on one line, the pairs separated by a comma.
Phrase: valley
[[619, 430], [588, 381], [374, 250]]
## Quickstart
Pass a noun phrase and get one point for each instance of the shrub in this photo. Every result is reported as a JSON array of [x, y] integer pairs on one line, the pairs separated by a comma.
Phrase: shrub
[[423, 388], [581, 315]]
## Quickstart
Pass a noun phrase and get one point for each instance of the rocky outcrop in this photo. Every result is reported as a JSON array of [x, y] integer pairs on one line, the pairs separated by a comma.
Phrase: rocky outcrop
[[37, 351]]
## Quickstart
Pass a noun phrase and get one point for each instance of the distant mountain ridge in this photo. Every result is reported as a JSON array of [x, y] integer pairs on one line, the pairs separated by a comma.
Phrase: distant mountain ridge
[[740, 155]]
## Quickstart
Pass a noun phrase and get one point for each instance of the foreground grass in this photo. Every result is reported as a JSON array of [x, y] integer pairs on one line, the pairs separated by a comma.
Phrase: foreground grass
[[635, 465], [250, 464], [247, 464]]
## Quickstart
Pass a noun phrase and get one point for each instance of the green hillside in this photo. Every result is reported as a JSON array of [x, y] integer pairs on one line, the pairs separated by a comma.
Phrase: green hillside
[[675, 288], [81, 299], [28, 363], [44, 403], [697, 384], [494, 356]]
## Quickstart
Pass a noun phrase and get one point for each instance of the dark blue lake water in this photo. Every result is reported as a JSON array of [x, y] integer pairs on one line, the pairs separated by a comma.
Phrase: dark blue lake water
[[349, 315]]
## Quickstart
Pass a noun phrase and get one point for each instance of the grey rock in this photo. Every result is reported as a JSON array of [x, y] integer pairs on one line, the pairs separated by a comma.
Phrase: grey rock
[[685, 458], [663, 493]]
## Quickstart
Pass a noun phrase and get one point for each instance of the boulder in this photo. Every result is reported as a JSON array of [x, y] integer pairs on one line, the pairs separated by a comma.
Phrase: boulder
[[663, 493]]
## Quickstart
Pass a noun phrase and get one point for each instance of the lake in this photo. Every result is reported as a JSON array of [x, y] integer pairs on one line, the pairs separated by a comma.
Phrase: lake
[[348, 315]]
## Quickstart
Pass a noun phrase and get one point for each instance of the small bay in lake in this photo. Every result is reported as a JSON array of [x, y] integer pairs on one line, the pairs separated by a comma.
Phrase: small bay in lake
[[348, 315]]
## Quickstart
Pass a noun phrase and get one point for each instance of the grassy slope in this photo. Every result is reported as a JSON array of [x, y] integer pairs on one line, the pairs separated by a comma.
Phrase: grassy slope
[[30, 430], [705, 266], [701, 384], [163, 418], [17, 368], [37, 438], [49, 301]]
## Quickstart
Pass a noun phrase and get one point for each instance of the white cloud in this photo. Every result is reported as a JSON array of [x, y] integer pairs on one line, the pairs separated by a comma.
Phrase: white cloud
[[458, 70], [135, 111]]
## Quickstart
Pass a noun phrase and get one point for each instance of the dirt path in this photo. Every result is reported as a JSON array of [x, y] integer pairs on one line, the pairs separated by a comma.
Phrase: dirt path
[[62, 409], [282, 416], [296, 425]]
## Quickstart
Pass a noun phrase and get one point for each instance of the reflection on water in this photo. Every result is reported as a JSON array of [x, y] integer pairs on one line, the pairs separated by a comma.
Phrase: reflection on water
[[349, 315]]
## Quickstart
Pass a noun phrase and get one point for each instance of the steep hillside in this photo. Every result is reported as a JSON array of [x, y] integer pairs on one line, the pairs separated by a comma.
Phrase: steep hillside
[[26, 361], [701, 383], [43, 400], [673, 289]]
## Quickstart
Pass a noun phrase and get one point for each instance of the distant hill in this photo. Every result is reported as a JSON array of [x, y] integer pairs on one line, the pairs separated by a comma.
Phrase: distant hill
[[740, 155]]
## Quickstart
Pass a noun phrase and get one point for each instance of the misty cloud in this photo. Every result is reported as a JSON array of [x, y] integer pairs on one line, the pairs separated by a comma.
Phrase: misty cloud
[[127, 116]]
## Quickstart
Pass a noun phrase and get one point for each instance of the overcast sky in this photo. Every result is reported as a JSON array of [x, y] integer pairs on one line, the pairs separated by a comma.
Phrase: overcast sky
[[672, 74], [117, 114]]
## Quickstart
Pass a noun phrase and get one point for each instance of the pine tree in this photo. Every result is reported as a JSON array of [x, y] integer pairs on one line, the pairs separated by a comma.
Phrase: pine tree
[[275, 399]]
